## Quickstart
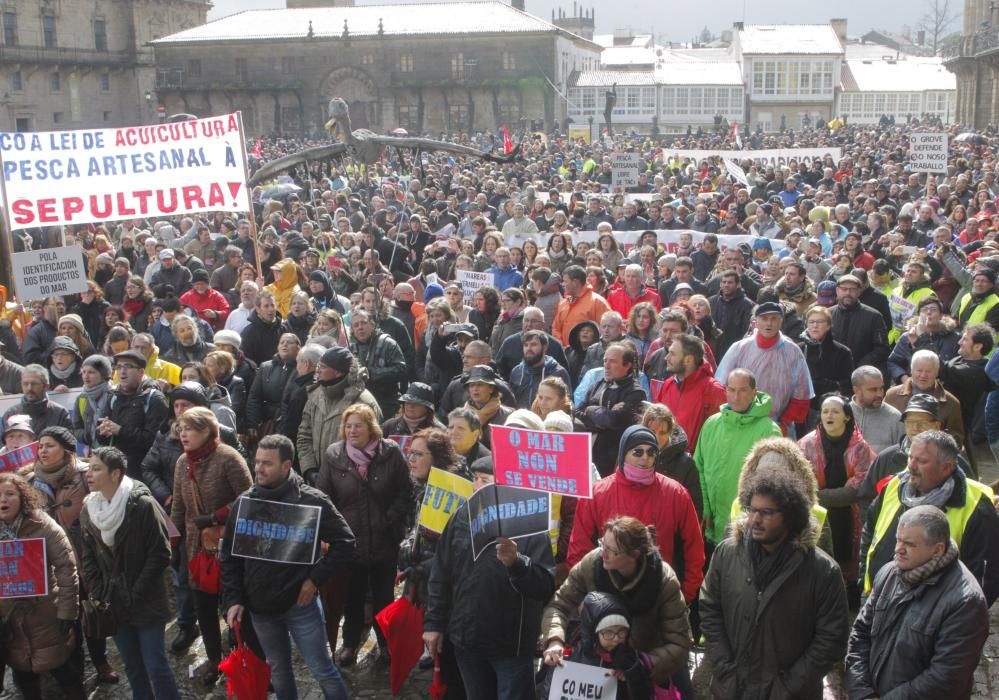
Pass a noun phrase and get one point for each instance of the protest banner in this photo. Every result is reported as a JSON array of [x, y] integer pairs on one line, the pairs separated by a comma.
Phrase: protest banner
[[772, 156], [63, 398], [445, 494], [471, 282], [41, 273], [504, 511], [275, 531], [736, 171], [543, 461], [24, 569], [579, 132], [575, 681], [625, 169], [58, 178], [928, 152], [668, 239], [15, 459]]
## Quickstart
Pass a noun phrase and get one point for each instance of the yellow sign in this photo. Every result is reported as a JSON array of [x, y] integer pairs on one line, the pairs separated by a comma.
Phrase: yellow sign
[[579, 132], [445, 494]]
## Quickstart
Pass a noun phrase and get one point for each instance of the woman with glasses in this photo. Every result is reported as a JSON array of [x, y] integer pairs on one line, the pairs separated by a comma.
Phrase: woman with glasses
[[830, 363], [626, 564]]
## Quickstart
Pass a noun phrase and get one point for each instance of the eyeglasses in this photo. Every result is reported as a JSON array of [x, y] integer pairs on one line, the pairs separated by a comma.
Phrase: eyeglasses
[[611, 635], [602, 546], [648, 451], [122, 368], [416, 454], [765, 513]]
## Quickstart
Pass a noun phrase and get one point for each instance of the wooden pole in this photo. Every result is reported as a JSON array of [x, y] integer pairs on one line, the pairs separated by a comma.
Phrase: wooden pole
[[7, 258], [251, 216]]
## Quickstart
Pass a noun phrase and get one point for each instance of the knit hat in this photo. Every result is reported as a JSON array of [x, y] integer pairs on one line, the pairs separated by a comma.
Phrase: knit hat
[[101, 363], [432, 291], [64, 436], [75, 321], [612, 621], [634, 436], [523, 418], [189, 391], [558, 422], [228, 338], [337, 358], [199, 275], [986, 272]]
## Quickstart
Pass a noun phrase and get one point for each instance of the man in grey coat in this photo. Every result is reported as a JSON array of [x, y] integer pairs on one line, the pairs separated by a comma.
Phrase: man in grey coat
[[921, 632]]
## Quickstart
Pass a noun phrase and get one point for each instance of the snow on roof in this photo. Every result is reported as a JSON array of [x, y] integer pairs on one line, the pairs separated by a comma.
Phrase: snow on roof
[[910, 74], [812, 39], [627, 56], [609, 40], [699, 73], [606, 78], [411, 19]]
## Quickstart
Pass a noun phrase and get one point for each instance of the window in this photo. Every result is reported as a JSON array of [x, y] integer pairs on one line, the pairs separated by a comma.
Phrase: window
[[194, 68], [16, 81], [682, 100], [458, 66], [649, 99], [100, 35], [57, 117], [55, 82], [458, 117], [289, 119], [710, 103], [589, 100], [287, 65], [408, 116], [242, 71], [406, 63], [669, 100], [10, 28], [48, 31], [509, 111], [367, 60], [509, 61], [107, 116], [105, 81], [631, 96]]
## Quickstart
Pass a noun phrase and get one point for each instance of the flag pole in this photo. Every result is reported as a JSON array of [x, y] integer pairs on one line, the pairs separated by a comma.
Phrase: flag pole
[[249, 197]]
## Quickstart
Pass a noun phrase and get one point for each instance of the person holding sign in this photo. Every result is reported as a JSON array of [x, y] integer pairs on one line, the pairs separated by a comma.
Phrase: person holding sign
[[282, 596], [124, 554], [39, 623], [490, 607]]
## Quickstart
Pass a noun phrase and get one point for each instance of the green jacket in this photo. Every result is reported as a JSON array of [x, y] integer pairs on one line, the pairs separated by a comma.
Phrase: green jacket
[[725, 441]]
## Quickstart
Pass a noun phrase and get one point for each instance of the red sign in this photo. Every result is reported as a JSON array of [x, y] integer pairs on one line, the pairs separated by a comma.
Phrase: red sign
[[405, 443], [543, 461], [23, 569], [15, 459]]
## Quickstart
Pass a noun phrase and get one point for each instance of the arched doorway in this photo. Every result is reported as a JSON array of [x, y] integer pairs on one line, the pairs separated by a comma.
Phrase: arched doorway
[[358, 90]]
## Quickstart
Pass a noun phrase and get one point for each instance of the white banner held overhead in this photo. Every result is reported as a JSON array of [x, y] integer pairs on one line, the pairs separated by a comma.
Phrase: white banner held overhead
[[736, 171], [668, 239], [928, 152], [625, 169], [50, 271], [74, 177], [471, 282], [772, 156]]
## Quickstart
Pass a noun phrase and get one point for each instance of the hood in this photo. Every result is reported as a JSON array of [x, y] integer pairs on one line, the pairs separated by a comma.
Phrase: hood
[[784, 454], [63, 342], [322, 277], [289, 274], [594, 608], [574, 334], [219, 394], [139, 490], [759, 408], [626, 436]]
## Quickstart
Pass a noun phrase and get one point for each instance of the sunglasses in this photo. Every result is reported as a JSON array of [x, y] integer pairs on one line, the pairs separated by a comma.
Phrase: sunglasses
[[650, 451]]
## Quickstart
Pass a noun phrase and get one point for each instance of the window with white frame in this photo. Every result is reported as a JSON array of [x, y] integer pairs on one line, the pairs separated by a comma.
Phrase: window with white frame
[[458, 66], [509, 61], [701, 101], [648, 99], [406, 63], [792, 77]]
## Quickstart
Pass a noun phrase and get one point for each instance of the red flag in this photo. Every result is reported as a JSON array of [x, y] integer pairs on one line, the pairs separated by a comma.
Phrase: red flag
[[507, 141], [258, 148]]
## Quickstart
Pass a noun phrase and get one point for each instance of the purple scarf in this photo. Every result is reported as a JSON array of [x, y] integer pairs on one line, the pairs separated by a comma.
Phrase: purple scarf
[[362, 458]]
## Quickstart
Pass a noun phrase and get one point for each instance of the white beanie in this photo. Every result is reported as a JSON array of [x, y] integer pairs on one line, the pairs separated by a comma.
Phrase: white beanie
[[612, 621], [522, 418], [558, 422]]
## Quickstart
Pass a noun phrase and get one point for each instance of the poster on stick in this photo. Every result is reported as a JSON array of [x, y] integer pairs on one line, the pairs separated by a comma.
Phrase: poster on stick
[[444, 495], [56, 178], [575, 681], [928, 152], [275, 531], [24, 569], [15, 459], [471, 282], [47, 272], [543, 461], [504, 511]]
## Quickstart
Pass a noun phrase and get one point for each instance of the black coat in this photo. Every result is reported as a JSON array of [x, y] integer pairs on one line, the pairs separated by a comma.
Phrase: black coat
[[830, 364], [732, 317], [141, 416], [607, 423], [142, 550], [861, 329], [260, 338], [876, 299], [264, 400]]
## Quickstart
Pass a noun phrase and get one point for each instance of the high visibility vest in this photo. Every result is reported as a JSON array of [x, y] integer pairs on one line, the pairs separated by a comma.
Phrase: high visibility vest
[[891, 504], [903, 307], [818, 511], [980, 312]]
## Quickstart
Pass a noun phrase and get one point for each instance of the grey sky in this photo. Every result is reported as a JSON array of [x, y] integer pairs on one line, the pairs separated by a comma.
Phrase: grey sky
[[672, 25]]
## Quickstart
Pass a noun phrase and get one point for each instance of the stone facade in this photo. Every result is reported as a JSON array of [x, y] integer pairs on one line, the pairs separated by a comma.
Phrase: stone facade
[[975, 62], [71, 64]]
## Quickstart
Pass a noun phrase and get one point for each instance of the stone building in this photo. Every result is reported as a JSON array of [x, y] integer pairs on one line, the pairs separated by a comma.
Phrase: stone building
[[72, 64], [430, 67], [975, 62]]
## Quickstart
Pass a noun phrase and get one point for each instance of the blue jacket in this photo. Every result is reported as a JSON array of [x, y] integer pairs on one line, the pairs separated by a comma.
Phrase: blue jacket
[[525, 380], [506, 278]]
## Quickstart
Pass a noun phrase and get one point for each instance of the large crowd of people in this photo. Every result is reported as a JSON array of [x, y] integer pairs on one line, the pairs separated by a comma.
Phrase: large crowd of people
[[790, 429]]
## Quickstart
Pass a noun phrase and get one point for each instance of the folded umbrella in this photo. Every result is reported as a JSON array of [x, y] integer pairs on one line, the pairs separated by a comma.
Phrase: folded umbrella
[[402, 625], [246, 675], [437, 688]]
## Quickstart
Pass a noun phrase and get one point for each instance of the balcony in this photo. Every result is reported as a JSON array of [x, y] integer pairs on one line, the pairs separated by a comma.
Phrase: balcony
[[978, 44], [60, 56]]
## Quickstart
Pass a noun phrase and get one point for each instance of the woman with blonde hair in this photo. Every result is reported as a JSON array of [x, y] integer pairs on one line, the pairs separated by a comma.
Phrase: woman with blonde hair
[[553, 395], [367, 478], [642, 328]]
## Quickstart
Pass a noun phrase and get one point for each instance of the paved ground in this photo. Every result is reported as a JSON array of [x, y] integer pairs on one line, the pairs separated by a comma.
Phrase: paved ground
[[369, 682]]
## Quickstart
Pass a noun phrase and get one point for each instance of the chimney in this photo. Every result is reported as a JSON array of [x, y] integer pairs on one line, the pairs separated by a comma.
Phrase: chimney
[[517, 4], [739, 26], [921, 37], [839, 26]]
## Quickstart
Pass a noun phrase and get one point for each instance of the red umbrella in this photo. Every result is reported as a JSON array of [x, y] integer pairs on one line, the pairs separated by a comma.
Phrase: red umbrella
[[437, 688], [402, 625], [247, 676]]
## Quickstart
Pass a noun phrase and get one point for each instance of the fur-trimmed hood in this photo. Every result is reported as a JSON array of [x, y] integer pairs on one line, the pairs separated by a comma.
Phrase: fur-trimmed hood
[[780, 453]]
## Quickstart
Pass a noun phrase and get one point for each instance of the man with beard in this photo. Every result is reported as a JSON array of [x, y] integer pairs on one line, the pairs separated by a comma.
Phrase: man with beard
[[536, 366], [795, 287], [35, 404], [692, 393], [859, 327], [879, 423]]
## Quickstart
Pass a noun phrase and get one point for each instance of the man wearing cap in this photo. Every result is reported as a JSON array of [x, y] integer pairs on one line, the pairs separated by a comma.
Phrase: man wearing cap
[[416, 412], [859, 327], [485, 400], [114, 288], [209, 303], [981, 304], [778, 364], [925, 379], [933, 479], [135, 414], [871, 295], [340, 382], [35, 403], [170, 273]]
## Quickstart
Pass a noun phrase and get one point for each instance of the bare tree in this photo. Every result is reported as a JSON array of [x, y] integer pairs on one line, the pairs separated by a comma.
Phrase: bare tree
[[940, 15]]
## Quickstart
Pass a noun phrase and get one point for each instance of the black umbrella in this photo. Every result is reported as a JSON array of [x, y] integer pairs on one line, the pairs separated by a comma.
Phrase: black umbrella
[[280, 191], [971, 137]]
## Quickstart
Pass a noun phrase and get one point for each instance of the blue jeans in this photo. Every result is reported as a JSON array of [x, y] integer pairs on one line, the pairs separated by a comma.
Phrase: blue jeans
[[496, 678], [143, 651], [306, 626]]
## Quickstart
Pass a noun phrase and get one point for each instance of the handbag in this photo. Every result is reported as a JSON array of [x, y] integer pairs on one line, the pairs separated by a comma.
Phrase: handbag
[[203, 568]]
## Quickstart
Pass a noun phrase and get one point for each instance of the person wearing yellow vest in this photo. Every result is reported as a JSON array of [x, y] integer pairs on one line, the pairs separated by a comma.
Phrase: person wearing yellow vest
[[903, 300], [981, 305], [932, 478], [166, 374]]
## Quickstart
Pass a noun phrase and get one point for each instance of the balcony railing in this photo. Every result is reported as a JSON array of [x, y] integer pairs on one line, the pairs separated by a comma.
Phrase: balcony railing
[[64, 56], [982, 42]]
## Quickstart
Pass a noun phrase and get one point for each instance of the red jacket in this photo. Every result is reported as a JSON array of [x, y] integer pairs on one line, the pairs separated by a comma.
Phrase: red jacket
[[693, 401], [664, 504], [210, 300], [619, 300]]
